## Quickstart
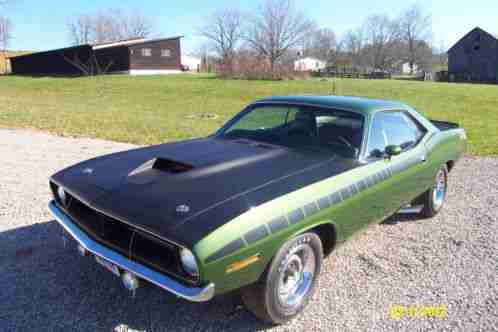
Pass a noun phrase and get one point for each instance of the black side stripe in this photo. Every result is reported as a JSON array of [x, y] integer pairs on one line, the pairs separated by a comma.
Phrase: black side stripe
[[335, 198], [345, 194], [372, 180], [380, 176], [256, 234], [226, 250], [354, 189], [296, 216], [324, 202], [310, 209], [360, 186], [280, 223]]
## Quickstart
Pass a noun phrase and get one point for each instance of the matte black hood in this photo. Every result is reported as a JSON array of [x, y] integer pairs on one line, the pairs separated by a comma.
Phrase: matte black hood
[[217, 179]]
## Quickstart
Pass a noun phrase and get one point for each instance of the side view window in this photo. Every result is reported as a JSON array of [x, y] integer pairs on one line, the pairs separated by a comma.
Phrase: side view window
[[378, 139], [393, 128]]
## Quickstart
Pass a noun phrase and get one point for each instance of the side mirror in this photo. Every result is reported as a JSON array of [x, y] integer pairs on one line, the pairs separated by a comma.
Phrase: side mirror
[[393, 150]]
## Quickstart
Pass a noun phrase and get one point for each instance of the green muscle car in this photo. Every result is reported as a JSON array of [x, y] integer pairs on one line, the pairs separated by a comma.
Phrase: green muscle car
[[258, 204]]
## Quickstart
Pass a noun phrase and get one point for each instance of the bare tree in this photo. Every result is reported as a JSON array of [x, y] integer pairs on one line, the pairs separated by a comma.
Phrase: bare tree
[[90, 67], [276, 28], [5, 37], [224, 32], [81, 30], [5, 32], [415, 29], [111, 25], [321, 43], [136, 25], [383, 38], [5, 26], [106, 27], [353, 44]]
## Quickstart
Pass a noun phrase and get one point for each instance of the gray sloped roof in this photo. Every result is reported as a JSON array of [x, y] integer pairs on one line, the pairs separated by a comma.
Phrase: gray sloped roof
[[476, 29]]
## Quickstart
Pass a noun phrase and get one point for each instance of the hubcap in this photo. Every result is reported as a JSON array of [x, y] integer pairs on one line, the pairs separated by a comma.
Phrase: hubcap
[[439, 190], [296, 276]]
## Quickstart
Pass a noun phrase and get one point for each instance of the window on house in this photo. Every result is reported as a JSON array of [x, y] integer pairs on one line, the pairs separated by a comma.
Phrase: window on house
[[165, 53], [146, 52]]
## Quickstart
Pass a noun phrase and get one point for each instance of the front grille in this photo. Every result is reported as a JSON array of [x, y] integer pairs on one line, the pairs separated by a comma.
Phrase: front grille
[[129, 241]]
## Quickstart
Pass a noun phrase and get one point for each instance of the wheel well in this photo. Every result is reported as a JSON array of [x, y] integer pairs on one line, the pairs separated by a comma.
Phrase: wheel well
[[450, 165], [328, 236]]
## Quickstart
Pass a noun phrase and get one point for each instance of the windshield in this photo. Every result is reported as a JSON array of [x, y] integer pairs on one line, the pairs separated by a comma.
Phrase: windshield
[[301, 127]]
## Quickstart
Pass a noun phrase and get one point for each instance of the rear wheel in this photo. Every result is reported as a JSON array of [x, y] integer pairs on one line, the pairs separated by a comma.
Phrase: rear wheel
[[289, 282], [434, 198]]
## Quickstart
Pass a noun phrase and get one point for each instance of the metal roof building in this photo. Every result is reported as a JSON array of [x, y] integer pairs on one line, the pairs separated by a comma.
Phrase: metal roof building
[[134, 56]]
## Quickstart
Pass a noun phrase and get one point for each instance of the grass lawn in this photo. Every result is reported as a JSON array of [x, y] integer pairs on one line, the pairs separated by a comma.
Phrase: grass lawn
[[148, 110]]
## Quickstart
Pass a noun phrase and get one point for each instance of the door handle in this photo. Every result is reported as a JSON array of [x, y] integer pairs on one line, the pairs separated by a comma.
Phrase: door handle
[[423, 159]]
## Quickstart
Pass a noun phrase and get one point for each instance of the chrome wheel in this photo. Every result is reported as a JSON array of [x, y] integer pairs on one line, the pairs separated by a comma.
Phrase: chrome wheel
[[439, 191], [296, 275]]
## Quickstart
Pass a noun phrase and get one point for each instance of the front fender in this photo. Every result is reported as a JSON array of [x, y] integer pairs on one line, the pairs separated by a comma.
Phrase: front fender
[[215, 270]]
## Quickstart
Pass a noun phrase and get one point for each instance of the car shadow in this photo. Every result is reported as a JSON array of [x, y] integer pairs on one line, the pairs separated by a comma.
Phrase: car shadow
[[401, 218], [47, 286]]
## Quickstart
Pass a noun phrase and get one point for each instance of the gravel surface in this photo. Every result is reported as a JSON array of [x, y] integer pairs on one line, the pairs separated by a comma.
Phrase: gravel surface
[[450, 260]]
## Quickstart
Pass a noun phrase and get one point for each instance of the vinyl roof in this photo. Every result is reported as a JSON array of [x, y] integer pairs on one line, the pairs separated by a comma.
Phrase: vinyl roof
[[365, 105]]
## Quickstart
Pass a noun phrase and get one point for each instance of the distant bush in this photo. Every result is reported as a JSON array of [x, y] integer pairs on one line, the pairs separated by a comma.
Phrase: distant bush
[[441, 76], [257, 68]]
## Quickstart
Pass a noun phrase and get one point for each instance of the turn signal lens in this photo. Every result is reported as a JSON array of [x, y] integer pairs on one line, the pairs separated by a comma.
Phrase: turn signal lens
[[61, 193], [242, 264], [189, 263]]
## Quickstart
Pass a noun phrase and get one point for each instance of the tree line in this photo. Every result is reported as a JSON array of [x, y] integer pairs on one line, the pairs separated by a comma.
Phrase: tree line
[[91, 28], [272, 36], [277, 32], [108, 26], [5, 27]]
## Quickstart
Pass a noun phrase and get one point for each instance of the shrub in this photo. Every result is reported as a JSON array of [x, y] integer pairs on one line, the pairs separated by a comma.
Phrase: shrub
[[250, 67]]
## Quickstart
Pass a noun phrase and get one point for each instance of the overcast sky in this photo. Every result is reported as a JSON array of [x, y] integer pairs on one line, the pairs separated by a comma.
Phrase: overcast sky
[[40, 25]]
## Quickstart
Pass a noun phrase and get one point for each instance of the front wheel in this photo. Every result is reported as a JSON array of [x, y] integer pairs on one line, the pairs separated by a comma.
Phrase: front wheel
[[286, 287], [435, 197]]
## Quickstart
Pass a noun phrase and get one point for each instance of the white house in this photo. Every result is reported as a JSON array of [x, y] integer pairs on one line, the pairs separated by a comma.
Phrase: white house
[[191, 63], [406, 69], [309, 64]]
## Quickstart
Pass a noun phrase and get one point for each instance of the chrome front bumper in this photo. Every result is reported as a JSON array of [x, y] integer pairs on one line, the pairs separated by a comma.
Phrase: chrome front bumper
[[194, 294]]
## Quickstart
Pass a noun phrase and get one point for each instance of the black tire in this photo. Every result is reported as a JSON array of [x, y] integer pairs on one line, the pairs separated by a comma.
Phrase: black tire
[[432, 206], [263, 299]]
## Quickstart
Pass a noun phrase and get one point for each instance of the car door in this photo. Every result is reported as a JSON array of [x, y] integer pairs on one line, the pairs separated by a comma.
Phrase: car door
[[386, 183], [405, 172]]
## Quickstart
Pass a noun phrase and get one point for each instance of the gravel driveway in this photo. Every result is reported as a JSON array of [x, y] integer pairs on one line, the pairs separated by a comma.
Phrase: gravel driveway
[[450, 260]]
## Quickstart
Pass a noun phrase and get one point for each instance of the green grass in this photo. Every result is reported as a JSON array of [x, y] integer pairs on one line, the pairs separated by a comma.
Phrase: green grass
[[148, 110]]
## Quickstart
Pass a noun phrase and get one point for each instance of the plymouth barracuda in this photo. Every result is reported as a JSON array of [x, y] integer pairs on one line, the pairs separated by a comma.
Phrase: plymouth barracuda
[[257, 205]]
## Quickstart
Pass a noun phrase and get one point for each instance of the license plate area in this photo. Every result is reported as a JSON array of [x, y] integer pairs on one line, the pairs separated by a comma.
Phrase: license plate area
[[108, 265]]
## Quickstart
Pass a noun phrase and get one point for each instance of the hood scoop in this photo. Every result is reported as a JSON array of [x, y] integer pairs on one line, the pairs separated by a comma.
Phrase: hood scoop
[[171, 166], [148, 171]]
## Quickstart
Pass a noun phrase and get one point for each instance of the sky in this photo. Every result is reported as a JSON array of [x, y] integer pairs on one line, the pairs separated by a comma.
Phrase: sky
[[41, 25]]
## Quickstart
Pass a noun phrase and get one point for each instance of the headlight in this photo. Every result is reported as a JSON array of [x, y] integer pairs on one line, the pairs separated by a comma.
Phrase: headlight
[[189, 263], [62, 195]]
